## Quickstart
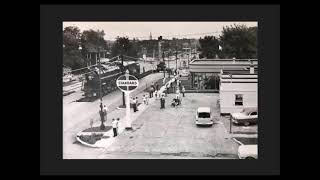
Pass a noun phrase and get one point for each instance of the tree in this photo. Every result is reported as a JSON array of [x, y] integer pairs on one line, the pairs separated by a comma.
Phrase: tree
[[123, 46], [209, 46], [239, 41], [71, 54], [92, 40]]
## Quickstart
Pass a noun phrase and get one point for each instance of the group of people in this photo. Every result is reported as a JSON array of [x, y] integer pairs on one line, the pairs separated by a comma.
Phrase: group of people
[[103, 116], [153, 91]]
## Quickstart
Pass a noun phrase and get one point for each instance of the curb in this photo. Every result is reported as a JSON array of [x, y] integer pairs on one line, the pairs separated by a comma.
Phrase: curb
[[84, 143]]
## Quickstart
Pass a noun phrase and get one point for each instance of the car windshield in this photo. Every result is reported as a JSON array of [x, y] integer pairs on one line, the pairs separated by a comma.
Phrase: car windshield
[[204, 115]]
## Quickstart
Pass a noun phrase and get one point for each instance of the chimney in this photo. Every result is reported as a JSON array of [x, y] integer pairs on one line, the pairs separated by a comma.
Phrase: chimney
[[251, 68]]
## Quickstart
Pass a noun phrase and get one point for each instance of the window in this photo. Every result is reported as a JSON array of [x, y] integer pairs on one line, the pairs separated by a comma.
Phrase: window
[[204, 115], [239, 100]]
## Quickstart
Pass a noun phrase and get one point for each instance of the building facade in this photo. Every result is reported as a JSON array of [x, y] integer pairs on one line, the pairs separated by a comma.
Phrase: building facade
[[205, 73], [238, 91]]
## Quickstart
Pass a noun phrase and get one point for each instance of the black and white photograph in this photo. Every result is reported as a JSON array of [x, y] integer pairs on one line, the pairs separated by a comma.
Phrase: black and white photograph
[[160, 90]]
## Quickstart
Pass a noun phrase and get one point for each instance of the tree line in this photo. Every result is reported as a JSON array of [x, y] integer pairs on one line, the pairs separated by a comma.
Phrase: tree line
[[236, 41]]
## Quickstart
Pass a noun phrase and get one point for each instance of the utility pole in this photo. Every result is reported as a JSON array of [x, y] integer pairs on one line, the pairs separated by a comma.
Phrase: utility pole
[[169, 71], [122, 70], [164, 71], [102, 126], [176, 62]]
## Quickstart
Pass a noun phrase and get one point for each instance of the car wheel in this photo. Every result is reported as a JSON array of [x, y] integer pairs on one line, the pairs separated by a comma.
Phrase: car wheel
[[246, 123]]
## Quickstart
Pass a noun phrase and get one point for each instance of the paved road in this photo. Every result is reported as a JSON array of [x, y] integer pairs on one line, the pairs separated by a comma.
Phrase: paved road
[[77, 115], [171, 133]]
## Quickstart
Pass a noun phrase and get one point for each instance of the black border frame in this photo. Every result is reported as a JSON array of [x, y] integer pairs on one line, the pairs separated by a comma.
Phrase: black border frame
[[51, 17]]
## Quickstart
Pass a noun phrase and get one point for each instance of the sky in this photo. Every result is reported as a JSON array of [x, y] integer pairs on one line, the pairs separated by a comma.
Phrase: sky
[[141, 30]]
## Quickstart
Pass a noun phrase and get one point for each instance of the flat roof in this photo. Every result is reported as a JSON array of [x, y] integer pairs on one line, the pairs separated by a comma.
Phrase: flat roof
[[223, 61], [204, 109]]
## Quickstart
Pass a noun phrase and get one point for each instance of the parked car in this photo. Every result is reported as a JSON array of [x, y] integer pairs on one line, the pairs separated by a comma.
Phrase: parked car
[[204, 116], [248, 151], [246, 117]]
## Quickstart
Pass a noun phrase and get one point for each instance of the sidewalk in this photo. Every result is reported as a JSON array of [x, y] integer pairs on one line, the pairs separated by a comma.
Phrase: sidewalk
[[121, 113]]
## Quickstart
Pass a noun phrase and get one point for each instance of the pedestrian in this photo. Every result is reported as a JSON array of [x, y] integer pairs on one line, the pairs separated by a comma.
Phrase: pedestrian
[[178, 98], [105, 110], [183, 90], [156, 94], [163, 101], [161, 106], [114, 127], [167, 88], [118, 119], [157, 86], [147, 100], [151, 92], [163, 81], [144, 99]]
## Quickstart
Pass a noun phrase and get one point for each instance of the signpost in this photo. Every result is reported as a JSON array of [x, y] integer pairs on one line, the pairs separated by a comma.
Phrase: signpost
[[127, 83]]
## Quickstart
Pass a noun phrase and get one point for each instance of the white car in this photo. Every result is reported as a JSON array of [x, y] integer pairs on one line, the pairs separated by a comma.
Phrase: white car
[[204, 116], [248, 151]]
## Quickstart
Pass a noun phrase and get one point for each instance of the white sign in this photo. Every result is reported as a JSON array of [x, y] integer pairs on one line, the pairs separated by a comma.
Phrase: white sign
[[127, 83]]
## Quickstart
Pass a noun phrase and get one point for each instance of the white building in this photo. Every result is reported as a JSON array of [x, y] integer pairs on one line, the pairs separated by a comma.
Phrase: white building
[[238, 91]]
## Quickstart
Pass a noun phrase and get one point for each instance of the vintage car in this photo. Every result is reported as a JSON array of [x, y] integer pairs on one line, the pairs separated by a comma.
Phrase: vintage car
[[248, 151], [246, 117], [204, 116]]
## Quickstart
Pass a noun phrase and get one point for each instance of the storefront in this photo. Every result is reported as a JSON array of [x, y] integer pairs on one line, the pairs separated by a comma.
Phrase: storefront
[[205, 73]]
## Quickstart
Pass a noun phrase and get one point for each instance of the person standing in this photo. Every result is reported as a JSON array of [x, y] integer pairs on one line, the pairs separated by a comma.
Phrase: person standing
[[163, 101], [161, 106], [151, 91], [163, 81], [114, 127], [144, 99], [183, 90], [178, 98], [156, 94], [147, 100], [157, 86], [118, 119], [105, 111], [134, 105]]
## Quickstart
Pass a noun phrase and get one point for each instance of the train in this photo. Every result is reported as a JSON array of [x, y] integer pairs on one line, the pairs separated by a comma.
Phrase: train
[[109, 73]]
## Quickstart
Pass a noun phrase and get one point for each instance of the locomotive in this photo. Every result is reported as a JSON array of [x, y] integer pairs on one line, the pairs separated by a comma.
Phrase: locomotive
[[109, 73]]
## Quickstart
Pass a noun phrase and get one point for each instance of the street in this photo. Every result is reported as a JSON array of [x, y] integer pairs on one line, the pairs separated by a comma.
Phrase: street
[[169, 133], [77, 115]]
